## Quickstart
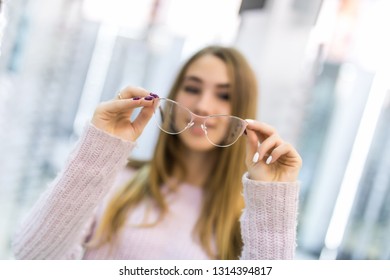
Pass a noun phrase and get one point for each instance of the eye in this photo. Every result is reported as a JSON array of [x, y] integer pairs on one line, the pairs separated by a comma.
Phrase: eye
[[192, 89], [224, 96]]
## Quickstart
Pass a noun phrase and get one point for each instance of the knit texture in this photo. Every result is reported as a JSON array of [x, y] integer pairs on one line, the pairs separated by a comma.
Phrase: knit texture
[[70, 208], [269, 219], [58, 220]]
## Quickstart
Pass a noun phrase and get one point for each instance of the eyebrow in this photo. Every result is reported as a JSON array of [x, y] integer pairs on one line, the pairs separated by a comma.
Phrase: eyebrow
[[198, 80]]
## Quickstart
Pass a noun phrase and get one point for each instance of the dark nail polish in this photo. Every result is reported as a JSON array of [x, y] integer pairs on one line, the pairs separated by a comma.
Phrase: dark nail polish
[[149, 98], [154, 95], [136, 98]]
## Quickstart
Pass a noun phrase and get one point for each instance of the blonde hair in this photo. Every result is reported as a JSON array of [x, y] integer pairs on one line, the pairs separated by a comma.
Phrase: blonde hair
[[218, 222]]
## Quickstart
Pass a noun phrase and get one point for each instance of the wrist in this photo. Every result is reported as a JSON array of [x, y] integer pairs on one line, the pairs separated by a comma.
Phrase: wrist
[[288, 177]]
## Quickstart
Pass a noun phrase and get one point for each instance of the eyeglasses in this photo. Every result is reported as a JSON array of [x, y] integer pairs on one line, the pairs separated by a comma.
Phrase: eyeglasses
[[220, 130]]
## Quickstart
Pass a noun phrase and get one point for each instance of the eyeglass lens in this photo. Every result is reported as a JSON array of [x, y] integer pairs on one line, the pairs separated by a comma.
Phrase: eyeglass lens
[[221, 131]]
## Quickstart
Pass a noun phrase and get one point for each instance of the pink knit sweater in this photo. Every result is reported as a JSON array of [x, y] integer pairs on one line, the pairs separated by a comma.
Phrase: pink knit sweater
[[66, 214]]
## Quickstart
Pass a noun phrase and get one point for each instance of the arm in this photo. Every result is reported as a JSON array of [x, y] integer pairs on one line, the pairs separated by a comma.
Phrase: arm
[[57, 224], [271, 194], [268, 222], [55, 227]]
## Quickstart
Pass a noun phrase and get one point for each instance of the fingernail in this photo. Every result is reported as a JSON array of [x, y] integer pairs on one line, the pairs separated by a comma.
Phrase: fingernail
[[149, 98], [249, 120], [154, 95], [136, 98], [255, 157], [269, 159]]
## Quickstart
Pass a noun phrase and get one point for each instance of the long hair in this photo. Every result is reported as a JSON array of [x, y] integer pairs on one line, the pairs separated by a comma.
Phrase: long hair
[[218, 222]]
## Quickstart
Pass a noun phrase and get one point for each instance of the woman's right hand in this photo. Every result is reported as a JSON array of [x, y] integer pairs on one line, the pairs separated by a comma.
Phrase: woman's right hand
[[113, 116]]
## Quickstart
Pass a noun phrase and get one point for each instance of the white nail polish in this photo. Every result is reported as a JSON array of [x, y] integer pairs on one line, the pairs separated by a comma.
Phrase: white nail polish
[[269, 159], [255, 157]]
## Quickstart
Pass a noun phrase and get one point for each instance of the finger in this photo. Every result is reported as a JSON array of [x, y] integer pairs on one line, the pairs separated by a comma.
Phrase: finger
[[262, 129], [287, 152], [268, 145], [127, 105], [252, 143], [131, 92], [143, 118]]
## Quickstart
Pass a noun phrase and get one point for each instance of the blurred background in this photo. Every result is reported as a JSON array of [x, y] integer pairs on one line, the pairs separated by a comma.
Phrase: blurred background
[[324, 73]]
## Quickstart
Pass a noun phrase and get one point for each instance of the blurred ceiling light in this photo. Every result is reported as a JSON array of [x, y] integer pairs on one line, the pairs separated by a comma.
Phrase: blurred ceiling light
[[203, 18], [326, 21], [126, 13], [372, 44]]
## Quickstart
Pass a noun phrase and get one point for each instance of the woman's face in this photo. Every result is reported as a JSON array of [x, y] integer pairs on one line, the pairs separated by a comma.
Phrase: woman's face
[[205, 90]]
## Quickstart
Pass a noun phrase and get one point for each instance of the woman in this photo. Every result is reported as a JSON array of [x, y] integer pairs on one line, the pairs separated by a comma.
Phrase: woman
[[187, 202]]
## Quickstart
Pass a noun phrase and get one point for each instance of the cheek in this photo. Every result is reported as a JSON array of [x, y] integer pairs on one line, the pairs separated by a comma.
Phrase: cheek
[[225, 108], [184, 99]]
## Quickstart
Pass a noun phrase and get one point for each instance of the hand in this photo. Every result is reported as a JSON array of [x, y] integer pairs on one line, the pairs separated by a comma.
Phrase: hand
[[277, 160], [113, 116]]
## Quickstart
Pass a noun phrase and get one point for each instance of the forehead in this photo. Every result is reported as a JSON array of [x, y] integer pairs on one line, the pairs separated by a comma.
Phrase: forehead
[[209, 68]]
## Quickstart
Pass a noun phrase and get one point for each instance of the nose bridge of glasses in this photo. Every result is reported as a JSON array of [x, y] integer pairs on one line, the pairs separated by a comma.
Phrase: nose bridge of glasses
[[200, 120], [220, 130], [195, 116]]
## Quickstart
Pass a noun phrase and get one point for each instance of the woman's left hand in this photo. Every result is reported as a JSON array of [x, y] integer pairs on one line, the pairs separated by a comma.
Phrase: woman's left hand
[[277, 161]]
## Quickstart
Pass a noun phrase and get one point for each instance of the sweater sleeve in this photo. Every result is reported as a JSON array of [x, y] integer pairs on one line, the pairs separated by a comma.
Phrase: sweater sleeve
[[269, 220], [55, 227]]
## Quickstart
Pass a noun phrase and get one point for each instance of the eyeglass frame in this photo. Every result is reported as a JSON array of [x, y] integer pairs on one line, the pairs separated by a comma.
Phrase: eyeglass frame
[[203, 125]]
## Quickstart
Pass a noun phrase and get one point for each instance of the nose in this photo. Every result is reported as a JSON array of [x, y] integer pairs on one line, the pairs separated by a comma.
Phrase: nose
[[204, 105]]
